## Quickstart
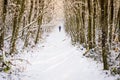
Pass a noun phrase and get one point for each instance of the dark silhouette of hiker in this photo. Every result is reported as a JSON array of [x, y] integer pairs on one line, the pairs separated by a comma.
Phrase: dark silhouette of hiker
[[59, 28]]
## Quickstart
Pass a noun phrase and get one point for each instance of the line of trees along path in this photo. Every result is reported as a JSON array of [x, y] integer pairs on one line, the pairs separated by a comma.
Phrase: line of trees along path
[[95, 24]]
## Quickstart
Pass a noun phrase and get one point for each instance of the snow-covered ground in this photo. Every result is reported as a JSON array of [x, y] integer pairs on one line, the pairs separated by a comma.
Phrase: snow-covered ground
[[57, 59]]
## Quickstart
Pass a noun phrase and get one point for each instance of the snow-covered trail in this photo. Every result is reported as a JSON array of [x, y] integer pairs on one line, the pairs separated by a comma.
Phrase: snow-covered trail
[[57, 59]]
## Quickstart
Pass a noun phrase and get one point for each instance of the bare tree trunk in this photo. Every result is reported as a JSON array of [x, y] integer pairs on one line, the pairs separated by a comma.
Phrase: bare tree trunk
[[111, 21], [41, 2], [104, 25], [89, 26], [29, 20], [13, 39], [81, 17], [3, 11], [118, 23], [94, 22], [16, 24], [39, 30], [23, 26]]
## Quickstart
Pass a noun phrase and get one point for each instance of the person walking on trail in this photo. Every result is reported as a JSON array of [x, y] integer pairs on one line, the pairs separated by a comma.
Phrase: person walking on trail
[[59, 28]]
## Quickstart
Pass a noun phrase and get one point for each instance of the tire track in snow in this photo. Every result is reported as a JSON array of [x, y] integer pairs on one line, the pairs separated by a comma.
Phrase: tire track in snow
[[63, 60]]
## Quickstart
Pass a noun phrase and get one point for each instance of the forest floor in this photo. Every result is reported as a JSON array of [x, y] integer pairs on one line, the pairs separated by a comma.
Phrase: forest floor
[[57, 59]]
